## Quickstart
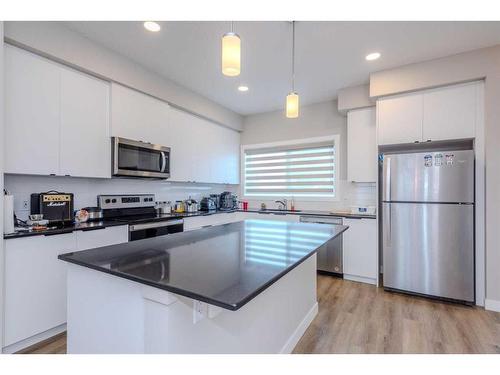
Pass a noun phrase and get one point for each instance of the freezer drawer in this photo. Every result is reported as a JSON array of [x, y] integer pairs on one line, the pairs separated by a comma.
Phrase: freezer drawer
[[446, 176], [429, 249]]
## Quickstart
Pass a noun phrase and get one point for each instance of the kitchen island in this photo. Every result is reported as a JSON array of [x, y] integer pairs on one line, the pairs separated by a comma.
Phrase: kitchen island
[[244, 287]]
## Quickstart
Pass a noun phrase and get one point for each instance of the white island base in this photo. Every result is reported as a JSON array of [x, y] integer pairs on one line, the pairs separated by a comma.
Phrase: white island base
[[110, 314]]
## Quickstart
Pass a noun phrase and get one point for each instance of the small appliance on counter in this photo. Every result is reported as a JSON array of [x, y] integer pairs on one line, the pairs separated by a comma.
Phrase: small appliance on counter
[[207, 204], [95, 213], [216, 199], [56, 207], [228, 201], [191, 205]]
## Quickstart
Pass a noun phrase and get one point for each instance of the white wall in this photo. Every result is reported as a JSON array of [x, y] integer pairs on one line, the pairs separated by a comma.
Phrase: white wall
[[85, 190], [58, 42], [468, 66], [315, 120]]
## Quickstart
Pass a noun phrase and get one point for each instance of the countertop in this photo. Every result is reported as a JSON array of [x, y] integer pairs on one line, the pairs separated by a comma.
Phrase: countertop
[[109, 223], [224, 265]]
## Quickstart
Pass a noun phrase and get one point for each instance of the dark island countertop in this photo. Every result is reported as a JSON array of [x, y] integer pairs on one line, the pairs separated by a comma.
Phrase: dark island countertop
[[224, 265]]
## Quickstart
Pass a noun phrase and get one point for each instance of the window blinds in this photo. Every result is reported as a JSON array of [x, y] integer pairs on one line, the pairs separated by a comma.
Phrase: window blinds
[[307, 170]]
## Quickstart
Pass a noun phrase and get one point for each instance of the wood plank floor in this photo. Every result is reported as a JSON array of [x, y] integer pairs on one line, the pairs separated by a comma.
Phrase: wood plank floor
[[360, 318]]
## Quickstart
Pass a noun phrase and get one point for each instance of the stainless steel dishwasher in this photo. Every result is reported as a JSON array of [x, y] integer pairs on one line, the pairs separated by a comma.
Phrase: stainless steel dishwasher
[[330, 254]]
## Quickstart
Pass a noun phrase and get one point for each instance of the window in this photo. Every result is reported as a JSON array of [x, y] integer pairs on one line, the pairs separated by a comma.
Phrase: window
[[296, 168]]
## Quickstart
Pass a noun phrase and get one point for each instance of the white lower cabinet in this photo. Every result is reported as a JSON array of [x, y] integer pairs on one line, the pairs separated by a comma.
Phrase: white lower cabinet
[[35, 281], [35, 285], [360, 250]]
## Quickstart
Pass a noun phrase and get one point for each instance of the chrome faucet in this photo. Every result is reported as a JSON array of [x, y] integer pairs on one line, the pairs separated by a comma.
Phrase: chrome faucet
[[283, 204]]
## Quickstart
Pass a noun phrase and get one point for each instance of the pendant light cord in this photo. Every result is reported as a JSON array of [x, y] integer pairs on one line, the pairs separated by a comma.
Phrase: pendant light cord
[[293, 56]]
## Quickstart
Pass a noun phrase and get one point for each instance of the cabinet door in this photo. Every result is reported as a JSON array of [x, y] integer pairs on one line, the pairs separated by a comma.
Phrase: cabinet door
[[360, 249], [35, 285], [361, 145], [85, 137], [230, 158], [182, 149], [138, 116], [101, 237], [32, 93], [399, 119], [450, 113]]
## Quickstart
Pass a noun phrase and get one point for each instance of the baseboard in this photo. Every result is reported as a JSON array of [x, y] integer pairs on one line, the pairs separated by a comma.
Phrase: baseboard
[[360, 279], [23, 344], [492, 305], [301, 329]]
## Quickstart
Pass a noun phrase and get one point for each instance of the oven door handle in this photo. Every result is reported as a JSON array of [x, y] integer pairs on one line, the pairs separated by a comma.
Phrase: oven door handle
[[136, 227]]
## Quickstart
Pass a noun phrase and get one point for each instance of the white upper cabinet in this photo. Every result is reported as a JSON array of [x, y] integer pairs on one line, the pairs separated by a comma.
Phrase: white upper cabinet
[[202, 151], [139, 117], [400, 119], [57, 119], [361, 145], [32, 93], [84, 126], [450, 113], [445, 113]]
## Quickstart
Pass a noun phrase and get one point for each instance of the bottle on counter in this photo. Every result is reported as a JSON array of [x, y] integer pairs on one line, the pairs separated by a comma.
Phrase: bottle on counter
[[292, 204]]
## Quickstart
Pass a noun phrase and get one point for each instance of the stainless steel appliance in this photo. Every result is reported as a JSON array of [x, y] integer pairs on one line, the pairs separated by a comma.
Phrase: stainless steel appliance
[[55, 207], [329, 256], [207, 204], [138, 210], [139, 159], [428, 223], [228, 201], [95, 213]]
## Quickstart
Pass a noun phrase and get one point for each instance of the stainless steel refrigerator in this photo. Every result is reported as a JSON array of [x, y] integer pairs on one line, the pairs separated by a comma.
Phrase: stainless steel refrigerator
[[428, 223]]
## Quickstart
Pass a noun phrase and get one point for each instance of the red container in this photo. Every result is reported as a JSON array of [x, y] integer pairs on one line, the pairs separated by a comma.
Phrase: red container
[[245, 206]]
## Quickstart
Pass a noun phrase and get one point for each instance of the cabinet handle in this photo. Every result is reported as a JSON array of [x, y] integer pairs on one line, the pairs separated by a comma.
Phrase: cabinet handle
[[207, 226]]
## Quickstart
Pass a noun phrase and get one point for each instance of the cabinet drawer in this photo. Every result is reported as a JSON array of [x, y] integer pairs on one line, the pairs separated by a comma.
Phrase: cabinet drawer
[[101, 237]]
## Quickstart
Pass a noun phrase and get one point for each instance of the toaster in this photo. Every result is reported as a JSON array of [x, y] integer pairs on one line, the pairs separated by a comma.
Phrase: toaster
[[207, 204]]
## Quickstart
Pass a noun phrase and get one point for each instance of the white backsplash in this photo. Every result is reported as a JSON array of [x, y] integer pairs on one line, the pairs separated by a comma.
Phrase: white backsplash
[[86, 190], [349, 194]]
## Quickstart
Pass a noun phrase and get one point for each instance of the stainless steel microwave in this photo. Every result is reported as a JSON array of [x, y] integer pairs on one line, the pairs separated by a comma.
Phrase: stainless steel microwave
[[139, 159]]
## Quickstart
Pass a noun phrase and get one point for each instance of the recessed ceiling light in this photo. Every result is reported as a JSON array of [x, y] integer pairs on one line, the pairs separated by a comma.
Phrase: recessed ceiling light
[[372, 56], [152, 26], [243, 88]]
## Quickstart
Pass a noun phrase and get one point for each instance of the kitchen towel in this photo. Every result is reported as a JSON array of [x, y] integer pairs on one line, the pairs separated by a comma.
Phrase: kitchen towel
[[8, 214]]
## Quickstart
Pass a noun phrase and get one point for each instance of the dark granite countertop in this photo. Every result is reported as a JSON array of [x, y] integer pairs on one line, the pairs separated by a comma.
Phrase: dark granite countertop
[[224, 265], [110, 223], [66, 229]]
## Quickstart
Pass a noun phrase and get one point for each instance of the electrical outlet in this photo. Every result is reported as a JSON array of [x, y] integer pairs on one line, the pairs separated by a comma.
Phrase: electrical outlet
[[25, 205]]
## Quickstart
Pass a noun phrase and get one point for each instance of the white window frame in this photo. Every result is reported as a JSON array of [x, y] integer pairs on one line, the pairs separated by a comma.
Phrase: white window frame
[[335, 138]]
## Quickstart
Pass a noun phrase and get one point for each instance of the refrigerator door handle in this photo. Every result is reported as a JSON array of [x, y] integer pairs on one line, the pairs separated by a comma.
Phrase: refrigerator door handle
[[387, 179], [387, 225]]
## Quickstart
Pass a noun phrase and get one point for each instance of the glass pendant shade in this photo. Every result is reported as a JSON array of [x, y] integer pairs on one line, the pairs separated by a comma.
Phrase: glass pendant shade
[[231, 54], [292, 105]]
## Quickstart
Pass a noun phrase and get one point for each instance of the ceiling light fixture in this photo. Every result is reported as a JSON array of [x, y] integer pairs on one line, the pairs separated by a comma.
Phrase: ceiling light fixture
[[231, 53], [152, 26], [292, 99], [372, 56], [242, 88]]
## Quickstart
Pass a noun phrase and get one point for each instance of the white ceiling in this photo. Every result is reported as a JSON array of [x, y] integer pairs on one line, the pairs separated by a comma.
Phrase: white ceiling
[[329, 55]]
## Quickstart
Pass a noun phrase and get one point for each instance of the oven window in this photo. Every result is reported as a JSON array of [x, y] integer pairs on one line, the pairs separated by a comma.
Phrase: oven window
[[135, 158]]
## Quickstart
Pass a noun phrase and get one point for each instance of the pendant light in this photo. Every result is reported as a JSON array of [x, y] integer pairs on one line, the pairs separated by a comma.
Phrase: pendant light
[[292, 99], [231, 54]]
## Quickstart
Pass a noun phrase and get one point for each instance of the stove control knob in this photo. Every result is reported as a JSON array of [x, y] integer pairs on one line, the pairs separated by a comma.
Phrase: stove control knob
[[113, 200], [107, 201]]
